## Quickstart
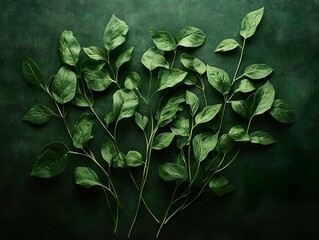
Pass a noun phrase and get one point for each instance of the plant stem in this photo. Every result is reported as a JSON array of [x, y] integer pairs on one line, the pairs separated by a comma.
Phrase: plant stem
[[149, 86], [174, 57], [202, 87]]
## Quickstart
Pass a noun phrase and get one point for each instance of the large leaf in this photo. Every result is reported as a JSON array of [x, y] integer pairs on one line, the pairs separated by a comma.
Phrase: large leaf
[[260, 137], [263, 99], [257, 71], [154, 58], [64, 85], [69, 48], [203, 144], [225, 144], [168, 78], [140, 120], [39, 114], [163, 140], [220, 186], [125, 102], [226, 45], [219, 79], [95, 53], [108, 150], [86, 177], [282, 112], [134, 159], [193, 63], [172, 172], [250, 23], [98, 81], [163, 40], [31, 71], [245, 86], [114, 33], [240, 107], [207, 114], [124, 57], [239, 134], [180, 126], [193, 101], [133, 81], [52, 161], [190, 37], [83, 130]]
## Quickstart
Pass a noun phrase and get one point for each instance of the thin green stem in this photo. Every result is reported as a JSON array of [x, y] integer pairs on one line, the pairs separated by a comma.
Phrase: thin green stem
[[232, 160], [174, 57], [140, 94], [202, 87], [249, 124], [239, 62], [101, 122], [149, 86]]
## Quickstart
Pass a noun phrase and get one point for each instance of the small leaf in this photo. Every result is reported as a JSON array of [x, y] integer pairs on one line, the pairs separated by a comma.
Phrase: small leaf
[[83, 96], [64, 85], [39, 114], [69, 48], [133, 81], [193, 101], [134, 159], [263, 99], [245, 86], [190, 79], [98, 81], [203, 144], [83, 130], [240, 107], [109, 118], [91, 66], [163, 140], [52, 161], [225, 144], [86, 177], [168, 78], [193, 63], [219, 79], [114, 33], [125, 102], [250, 23], [180, 126], [207, 114], [260, 137], [154, 58], [239, 134], [182, 141], [258, 71], [108, 150], [163, 40], [220, 186], [31, 71], [180, 159], [119, 161], [190, 37], [124, 57], [226, 45], [282, 112], [140, 120], [172, 172], [95, 53]]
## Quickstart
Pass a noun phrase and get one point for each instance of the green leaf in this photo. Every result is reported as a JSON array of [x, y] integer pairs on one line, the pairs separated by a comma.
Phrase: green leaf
[[52, 161], [219, 79], [163, 40], [190, 79], [124, 57], [220, 186], [86, 177], [132, 81], [69, 48], [245, 86], [108, 149], [95, 53], [193, 101], [38, 114], [180, 126], [31, 71], [207, 114], [134, 159], [250, 23], [114, 33], [98, 81], [263, 99], [140, 120], [260, 137], [213, 164], [168, 78], [239, 134], [163, 140], [282, 112], [125, 102], [83, 96], [203, 144], [91, 66], [226, 45], [168, 109], [180, 159], [83, 130], [181, 141], [119, 161], [190, 37], [154, 58], [109, 118], [193, 63], [258, 71], [240, 107], [172, 172], [225, 144], [64, 85]]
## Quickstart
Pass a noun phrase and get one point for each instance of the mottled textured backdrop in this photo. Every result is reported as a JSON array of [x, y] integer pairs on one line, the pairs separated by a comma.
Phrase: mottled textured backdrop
[[277, 193]]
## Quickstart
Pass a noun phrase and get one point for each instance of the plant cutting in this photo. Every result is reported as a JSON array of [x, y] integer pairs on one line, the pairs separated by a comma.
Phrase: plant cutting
[[170, 109]]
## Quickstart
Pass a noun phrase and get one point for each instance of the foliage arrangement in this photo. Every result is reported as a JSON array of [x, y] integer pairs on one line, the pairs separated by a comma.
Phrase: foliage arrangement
[[172, 109]]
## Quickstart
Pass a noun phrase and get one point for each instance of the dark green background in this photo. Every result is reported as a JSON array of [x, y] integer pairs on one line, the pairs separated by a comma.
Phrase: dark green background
[[277, 187]]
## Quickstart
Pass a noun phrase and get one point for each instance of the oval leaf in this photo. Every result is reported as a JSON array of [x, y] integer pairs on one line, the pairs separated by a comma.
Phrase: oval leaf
[[180, 126], [163, 140], [172, 172], [207, 114], [239, 134], [263, 99], [108, 149], [190, 37], [31, 71], [168, 78], [38, 114], [193, 63], [90, 66], [282, 112], [69, 48], [220, 186], [225, 144], [193, 101], [86, 177], [226, 45], [154, 58], [132, 81], [219, 79], [114, 33], [83, 130], [250, 23], [125, 102], [134, 159], [124, 57], [260, 137], [163, 40], [95, 53], [240, 107], [257, 71], [203, 144], [98, 81], [245, 86]]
